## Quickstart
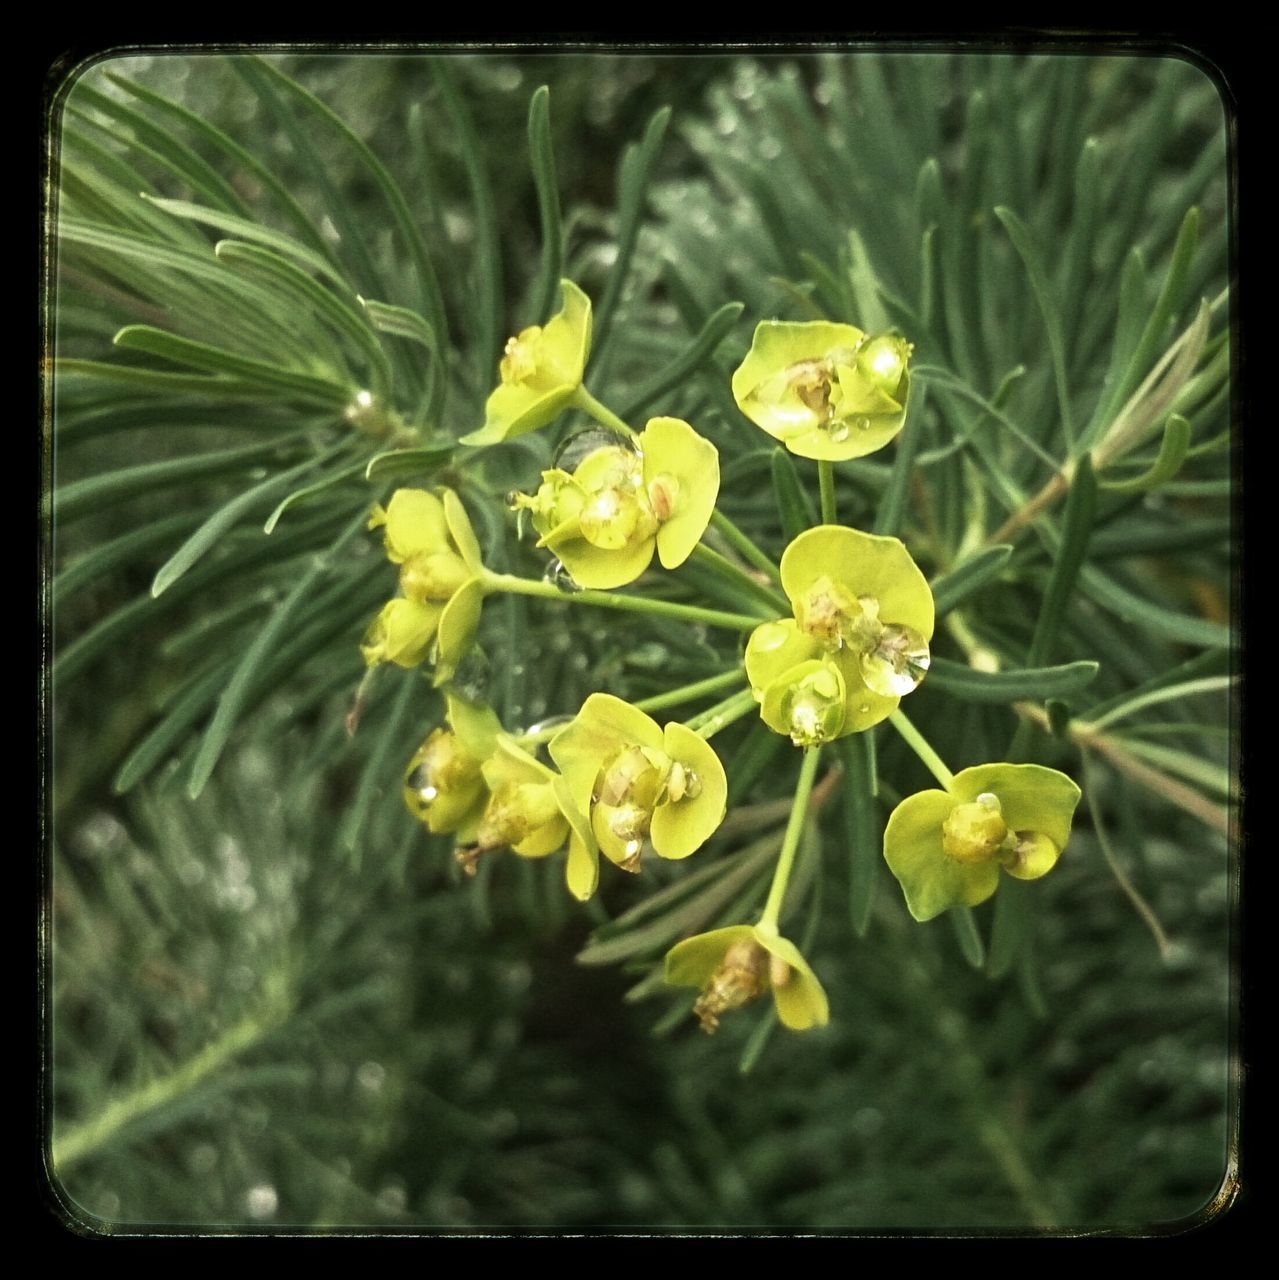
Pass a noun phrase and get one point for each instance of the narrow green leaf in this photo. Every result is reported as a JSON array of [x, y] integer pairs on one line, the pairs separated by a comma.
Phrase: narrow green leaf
[[233, 150], [306, 494], [198, 172], [794, 505], [380, 777], [892, 506], [235, 695], [633, 182], [1131, 539], [758, 750], [184, 711], [865, 286], [339, 311], [758, 1040], [1070, 554], [964, 924], [212, 386], [400, 321], [1076, 262], [1212, 777], [1178, 692], [487, 298], [862, 833], [1212, 663], [1039, 283], [1159, 621], [1059, 718], [89, 568], [81, 497], [1036, 683], [542, 156], [212, 530], [396, 463], [1014, 917], [1155, 332], [671, 375], [142, 337], [1172, 453], [970, 575], [246, 229]]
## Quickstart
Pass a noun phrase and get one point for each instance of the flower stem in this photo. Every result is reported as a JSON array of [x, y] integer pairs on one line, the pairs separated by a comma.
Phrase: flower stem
[[790, 842], [729, 572], [602, 414], [709, 722], [915, 740], [826, 481], [627, 604], [691, 692], [743, 545]]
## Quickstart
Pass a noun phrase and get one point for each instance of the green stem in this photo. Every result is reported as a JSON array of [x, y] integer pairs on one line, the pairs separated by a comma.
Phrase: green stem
[[915, 740], [627, 604], [84, 1139], [731, 573], [743, 545], [690, 692], [709, 722], [790, 842], [826, 480], [602, 414]]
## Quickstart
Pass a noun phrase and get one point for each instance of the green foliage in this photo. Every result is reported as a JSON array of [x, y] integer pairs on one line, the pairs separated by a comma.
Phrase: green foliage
[[282, 288]]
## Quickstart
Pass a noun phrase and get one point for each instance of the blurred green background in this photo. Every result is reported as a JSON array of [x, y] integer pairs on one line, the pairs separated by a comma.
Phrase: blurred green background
[[259, 1020]]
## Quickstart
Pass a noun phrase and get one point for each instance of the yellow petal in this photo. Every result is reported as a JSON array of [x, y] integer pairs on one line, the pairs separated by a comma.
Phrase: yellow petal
[[681, 827], [931, 881], [597, 569], [415, 525], [774, 648], [459, 526], [401, 633], [867, 565], [801, 1001], [671, 447], [692, 963], [582, 872], [458, 624]]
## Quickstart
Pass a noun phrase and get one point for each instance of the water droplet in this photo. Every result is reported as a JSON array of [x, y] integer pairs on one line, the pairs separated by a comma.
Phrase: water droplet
[[558, 576], [898, 662], [839, 431], [772, 635], [863, 423], [471, 679], [512, 500], [582, 444]]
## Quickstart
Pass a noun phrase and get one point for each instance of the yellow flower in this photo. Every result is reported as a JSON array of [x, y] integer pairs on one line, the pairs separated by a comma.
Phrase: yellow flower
[[826, 391], [540, 370], [857, 643], [444, 784], [628, 785], [623, 502], [440, 576], [946, 847], [523, 812], [736, 965]]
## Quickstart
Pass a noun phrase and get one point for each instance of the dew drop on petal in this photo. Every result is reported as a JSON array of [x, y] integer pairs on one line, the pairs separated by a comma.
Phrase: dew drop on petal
[[838, 431], [770, 636], [898, 662]]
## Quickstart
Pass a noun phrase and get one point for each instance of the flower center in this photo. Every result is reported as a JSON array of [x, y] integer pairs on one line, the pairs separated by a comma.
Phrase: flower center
[[519, 362], [742, 976], [617, 511], [433, 577], [975, 833], [893, 658], [814, 708], [514, 812], [627, 789]]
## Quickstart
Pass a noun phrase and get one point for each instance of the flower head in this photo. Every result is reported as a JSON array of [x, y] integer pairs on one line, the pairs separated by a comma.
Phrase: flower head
[[523, 811], [736, 965], [444, 784], [628, 785], [540, 370], [826, 391], [857, 643], [432, 541], [946, 847], [622, 502]]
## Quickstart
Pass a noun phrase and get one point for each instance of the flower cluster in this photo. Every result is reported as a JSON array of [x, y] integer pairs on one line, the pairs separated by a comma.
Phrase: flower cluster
[[441, 574], [618, 783], [858, 641]]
